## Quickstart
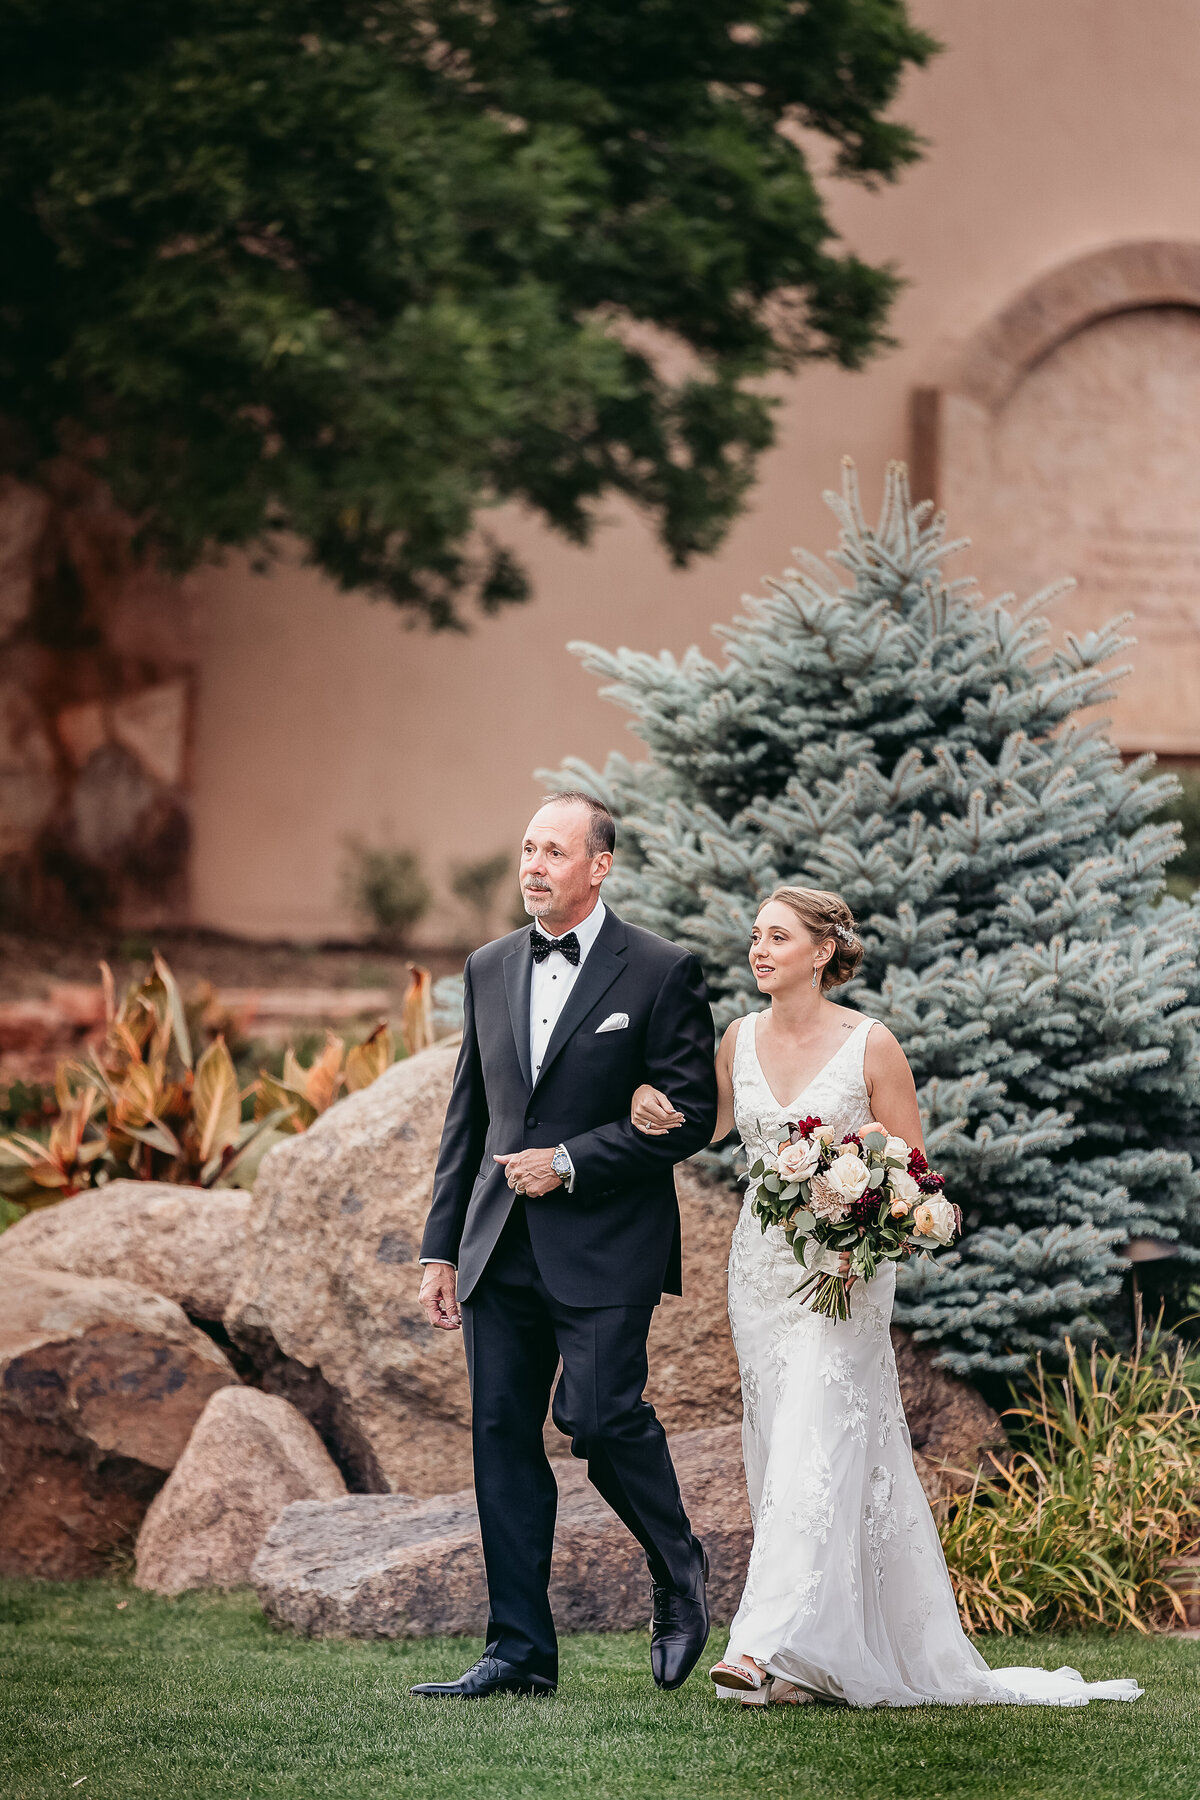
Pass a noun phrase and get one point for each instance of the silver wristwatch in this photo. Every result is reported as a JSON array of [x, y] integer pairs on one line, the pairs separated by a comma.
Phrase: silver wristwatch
[[561, 1163]]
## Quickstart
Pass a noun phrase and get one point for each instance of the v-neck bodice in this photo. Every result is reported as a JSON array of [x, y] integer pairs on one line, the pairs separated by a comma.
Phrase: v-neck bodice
[[837, 1094]]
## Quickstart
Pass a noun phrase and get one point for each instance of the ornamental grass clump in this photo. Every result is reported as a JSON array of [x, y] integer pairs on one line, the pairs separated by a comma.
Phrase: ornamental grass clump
[[1100, 1499]]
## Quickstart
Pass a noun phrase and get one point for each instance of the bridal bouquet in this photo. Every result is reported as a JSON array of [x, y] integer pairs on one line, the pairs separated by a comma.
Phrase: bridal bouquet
[[871, 1195]]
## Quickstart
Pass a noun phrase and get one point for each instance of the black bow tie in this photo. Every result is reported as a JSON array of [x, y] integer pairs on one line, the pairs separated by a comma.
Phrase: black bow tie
[[541, 945]]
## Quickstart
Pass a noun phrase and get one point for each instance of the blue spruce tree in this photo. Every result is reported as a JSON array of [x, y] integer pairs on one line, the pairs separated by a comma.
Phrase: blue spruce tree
[[884, 731]]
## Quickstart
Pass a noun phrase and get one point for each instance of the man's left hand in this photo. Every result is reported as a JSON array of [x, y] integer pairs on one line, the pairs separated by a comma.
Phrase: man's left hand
[[530, 1172]]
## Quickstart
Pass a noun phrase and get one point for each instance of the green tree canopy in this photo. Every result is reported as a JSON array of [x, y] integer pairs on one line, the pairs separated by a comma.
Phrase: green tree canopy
[[354, 271]]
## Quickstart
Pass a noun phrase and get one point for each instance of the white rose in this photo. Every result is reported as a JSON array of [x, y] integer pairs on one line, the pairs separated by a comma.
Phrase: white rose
[[904, 1186], [898, 1148], [848, 1175], [935, 1219], [796, 1162]]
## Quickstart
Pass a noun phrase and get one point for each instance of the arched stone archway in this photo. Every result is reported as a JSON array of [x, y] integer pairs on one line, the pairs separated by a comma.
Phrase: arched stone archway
[[1065, 440]]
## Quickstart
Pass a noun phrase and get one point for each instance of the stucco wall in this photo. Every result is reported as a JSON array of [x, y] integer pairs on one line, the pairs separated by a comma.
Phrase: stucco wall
[[1055, 130]]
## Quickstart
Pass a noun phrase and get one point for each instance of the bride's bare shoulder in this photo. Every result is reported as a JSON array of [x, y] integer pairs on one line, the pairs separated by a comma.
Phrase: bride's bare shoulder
[[847, 1018], [880, 1041], [729, 1040]]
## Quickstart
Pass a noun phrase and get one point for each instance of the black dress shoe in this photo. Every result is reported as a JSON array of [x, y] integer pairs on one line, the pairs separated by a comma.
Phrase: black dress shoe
[[489, 1676], [678, 1632]]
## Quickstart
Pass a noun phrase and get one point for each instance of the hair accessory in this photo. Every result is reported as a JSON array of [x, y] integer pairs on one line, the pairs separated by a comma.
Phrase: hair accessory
[[842, 932]]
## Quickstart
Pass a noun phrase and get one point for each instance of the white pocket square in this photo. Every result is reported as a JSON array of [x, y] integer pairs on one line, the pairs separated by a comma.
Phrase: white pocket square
[[614, 1022]]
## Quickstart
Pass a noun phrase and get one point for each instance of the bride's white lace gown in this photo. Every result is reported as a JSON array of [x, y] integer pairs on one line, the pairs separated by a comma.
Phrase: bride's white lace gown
[[847, 1592]]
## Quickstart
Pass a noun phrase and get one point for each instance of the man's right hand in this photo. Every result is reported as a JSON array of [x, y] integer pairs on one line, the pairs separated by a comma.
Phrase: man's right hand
[[439, 1296]]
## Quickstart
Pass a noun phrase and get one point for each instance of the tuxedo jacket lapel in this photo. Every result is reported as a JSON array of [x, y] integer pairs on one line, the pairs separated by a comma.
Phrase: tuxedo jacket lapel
[[602, 965], [518, 970]]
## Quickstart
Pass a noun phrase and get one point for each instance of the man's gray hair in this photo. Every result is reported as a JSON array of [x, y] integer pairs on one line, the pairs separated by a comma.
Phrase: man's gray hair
[[602, 827]]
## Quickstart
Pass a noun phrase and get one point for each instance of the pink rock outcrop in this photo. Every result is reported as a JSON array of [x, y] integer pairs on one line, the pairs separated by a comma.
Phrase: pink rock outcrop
[[101, 1383], [186, 1243], [392, 1565], [249, 1456]]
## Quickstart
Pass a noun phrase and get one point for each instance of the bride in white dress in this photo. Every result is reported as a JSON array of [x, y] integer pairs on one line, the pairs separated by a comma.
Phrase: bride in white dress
[[847, 1595]]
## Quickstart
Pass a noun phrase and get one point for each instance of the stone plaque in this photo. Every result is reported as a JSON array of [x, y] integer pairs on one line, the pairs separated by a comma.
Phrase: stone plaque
[[1088, 465]]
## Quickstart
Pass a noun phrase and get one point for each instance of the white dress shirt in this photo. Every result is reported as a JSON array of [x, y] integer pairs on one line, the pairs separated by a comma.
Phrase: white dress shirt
[[552, 982], [549, 986]]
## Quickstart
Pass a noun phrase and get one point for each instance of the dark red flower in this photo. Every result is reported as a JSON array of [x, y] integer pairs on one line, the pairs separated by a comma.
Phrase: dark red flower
[[804, 1129]]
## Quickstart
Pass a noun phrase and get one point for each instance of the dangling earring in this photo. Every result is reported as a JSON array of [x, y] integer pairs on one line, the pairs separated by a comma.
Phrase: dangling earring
[[814, 975]]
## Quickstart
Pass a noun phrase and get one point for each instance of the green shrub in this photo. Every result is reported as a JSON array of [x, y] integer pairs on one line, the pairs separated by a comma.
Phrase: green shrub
[[475, 884], [1183, 873], [387, 890]]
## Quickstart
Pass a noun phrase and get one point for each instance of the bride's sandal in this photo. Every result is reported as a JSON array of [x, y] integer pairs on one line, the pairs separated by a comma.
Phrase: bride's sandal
[[734, 1681], [785, 1693]]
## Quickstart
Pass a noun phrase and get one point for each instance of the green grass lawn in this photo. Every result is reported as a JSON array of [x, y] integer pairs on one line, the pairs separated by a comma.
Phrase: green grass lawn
[[198, 1698]]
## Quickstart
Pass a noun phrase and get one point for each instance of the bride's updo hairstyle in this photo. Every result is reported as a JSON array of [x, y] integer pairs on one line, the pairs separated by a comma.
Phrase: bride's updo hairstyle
[[826, 915]]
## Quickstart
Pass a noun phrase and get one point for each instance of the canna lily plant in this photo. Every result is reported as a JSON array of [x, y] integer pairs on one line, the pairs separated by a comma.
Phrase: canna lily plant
[[152, 1102], [41, 1173], [170, 1114], [293, 1100]]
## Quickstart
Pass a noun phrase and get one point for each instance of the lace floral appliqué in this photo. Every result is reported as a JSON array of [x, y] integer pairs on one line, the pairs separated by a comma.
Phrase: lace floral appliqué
[[811, 1513], [838, 1369], [880, 1517]]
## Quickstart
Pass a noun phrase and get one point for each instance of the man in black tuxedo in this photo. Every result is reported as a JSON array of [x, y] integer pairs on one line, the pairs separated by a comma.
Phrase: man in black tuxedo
[[554, 1230]]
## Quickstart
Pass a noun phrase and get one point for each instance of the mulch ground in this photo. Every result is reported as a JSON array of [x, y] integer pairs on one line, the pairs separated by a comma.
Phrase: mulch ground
[[31, 966]]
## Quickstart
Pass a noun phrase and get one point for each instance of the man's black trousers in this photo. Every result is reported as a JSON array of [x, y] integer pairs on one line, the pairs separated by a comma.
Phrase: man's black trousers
[[515, 1333]]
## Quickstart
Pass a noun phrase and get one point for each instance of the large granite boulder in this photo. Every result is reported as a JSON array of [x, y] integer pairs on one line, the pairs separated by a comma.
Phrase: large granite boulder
[[331, 1276], [330, 1281], [101, 1383], [327, 1303], [24, 513], [184, 1242], [391, 1565], [249, 1456], [29, 781]]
